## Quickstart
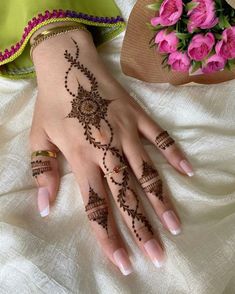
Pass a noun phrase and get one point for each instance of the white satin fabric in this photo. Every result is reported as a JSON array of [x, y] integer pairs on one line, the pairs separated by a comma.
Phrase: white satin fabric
[[59, 254]]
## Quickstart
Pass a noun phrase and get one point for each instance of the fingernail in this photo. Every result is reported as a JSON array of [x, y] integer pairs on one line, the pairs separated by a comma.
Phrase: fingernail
[[186, 166], [155, 252], [172, 222], [123, 262], [43, 201]]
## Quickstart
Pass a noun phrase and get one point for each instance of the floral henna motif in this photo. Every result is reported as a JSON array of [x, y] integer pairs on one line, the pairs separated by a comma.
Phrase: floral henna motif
[[150, 181], [99, 207], [90, 109], [163, 140], [39, 167]]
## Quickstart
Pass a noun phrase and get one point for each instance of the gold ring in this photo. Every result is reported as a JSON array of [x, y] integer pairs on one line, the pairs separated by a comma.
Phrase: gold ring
[[46, 153], [115, 170]]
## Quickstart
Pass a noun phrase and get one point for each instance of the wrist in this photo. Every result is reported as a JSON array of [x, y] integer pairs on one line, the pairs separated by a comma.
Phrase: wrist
[[52, 47], [48, 56], [51, 65], [49, 27]]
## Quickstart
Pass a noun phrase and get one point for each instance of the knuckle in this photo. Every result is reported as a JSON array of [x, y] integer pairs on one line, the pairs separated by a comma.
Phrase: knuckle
[[109, 239], [130, 197], [76, 153], [32, 139], [125, 121], [143, 230], [167, 204], [113, 237], [37, 139], [103, 136]]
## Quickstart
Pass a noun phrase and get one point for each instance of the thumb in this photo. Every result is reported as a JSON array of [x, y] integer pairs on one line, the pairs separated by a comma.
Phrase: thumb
[[45, 171]]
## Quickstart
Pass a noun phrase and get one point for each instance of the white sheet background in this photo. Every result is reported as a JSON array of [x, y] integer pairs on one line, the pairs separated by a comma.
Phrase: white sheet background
[[59, 254]]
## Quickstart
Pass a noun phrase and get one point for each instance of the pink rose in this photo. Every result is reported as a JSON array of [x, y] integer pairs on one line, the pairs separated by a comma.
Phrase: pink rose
[[200, 46], [213, 64], [169, 13], [203, 16], [167, 43], [226, 47], [179, 61]]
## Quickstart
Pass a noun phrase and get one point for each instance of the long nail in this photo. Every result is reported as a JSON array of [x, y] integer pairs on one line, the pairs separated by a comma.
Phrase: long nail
[[155, 252], [187, 167], [172, 222], [43, 201], [123, 262]]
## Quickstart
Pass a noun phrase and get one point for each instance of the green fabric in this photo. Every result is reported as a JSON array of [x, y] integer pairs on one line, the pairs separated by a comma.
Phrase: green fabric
[[15, 15]]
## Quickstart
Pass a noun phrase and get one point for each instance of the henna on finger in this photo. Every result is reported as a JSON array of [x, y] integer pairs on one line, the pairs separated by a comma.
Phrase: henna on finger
[[40, 167], [163, 140], [99, 209], [150, 181], [133, 212], [90, 108]]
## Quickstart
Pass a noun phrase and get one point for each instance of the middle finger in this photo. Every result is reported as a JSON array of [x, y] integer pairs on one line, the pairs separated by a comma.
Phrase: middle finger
[[132, 211]]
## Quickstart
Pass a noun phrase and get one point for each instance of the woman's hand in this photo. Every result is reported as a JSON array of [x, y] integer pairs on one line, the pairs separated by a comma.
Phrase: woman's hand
[[83, 112]]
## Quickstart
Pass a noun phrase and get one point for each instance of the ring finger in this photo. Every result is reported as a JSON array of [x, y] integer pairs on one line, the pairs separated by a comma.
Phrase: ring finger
[[151, 183]]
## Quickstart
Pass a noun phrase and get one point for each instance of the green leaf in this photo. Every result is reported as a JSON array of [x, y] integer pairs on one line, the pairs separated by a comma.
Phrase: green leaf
[[184, 20], [218, 3], [152, 28], [223, 22], [155, 6], [218, 36], [164, 60], [191, 5], [227, 66], [151, 46], [231, 64], [232, 61], [196, 65], [170, 29], [183, 36], [167, 66]]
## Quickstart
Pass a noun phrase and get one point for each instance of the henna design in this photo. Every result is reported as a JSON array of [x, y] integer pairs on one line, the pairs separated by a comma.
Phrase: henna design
[[39, 167], [163, 140], [90, 109], [150, 181], [100, 214], [38, 163]]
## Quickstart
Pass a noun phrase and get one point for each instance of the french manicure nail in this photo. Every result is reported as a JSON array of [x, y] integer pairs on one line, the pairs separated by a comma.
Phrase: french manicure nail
[[123, 262], [43, 201], [186, 166], [172, 222], [155, 252]]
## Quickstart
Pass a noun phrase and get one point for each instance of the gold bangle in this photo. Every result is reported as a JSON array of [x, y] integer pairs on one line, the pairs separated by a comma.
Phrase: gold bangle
[[47, 153], [59, 28], [50, 33]]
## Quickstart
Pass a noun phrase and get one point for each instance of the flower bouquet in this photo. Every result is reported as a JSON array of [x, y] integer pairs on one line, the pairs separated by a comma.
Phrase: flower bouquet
[[194, 39], [195, 36]]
